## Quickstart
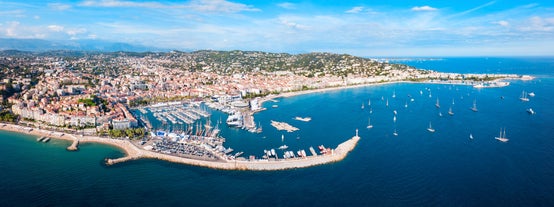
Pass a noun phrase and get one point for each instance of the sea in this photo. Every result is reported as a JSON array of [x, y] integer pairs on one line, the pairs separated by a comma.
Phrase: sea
[[414, 168]]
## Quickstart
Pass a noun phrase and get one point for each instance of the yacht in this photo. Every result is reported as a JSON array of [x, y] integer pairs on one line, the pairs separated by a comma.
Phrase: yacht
[[502, 136], [430, 129], [450, 111], [523, 96], [474, 108], [531, 94], [283, 147], [369, 126]]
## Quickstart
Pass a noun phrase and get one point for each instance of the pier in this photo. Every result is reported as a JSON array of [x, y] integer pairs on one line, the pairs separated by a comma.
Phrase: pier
[[74, 146], [337, 154]]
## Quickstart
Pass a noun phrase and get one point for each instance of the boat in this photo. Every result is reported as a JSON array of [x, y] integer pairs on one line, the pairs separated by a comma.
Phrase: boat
[[450, 112], [387, 104], [362, 105], [502, 136], [531, 94], [437, 104], [274, 106], [369, 102], [406, 105], [474, 108], [395, 133], [282, 137], [304, 119], [523, 96], [46, 139], [430, 129], [530, 111], [470, 136], [369, 126], [283, 147], [395, 112], [394, 94], [440, 114], [394, 119], [452, 101]]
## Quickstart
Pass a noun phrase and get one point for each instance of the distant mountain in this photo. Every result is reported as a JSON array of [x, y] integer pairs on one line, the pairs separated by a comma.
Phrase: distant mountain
[[39, 45]]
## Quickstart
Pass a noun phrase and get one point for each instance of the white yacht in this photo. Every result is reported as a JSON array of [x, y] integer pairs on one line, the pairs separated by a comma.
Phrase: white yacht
[[474, 108], [450, 111], [369, 126], [430, 129], [502, 136], [523, 96]]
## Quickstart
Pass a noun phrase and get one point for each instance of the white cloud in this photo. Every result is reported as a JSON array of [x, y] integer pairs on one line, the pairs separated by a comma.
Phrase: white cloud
[[502, 23], [293, 25], [211, 6], [287, 5], [423, 8], [37, 17], [55, 28], [539, 24], [74, 32], [214, 6], [11, 29], [355, 10], [13, 13], [59, 6]]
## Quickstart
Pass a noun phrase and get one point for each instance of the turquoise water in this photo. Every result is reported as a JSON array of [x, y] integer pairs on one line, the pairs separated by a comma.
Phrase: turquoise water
[[414, 168]]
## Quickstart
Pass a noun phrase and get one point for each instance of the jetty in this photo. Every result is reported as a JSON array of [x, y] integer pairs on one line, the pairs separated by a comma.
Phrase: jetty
[[337, 154], [74, 146]]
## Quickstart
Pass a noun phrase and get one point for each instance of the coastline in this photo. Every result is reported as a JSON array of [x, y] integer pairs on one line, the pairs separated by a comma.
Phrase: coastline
[[132, 152], [448, 82]]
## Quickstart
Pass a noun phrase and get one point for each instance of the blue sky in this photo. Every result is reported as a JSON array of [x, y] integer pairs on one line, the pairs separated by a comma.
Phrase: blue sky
[[363, 28]]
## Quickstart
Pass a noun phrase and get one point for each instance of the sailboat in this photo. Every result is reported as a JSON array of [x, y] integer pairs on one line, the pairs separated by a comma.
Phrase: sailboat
[[362, 105], [394, 94], [452, 101], [387, 104], [430, 129], [474, 108], [502, 136], [369, 102], [450, 111], [523, 96], [369, 126], [437, 104], [282, 137], [470, 136]]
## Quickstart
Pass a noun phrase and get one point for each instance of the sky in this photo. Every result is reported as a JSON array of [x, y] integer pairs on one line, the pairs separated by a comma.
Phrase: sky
[[362, 28]]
